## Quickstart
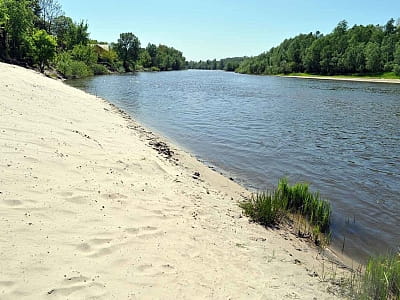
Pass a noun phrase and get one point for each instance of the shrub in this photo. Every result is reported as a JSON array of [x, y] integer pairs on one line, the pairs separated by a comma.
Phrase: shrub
[[396, 70], [84, 54], [70, 68], [99, 69]]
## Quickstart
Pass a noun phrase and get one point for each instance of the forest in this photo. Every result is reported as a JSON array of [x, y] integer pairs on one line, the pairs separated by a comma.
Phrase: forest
[[227, 64], [359, 50], [36, 33]]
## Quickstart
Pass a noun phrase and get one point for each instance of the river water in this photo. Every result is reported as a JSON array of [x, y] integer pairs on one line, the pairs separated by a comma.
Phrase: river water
[[341, 137]]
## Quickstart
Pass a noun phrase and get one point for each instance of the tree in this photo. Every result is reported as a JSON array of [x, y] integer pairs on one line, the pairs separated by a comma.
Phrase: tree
[[3, 33], [85, 54], [373, 57], [152, 51], [18, 24], [49, 10], [68, 33], [44, 48], [81, 34], [64, 29], [389, 27], [145, 59], [127, 48]]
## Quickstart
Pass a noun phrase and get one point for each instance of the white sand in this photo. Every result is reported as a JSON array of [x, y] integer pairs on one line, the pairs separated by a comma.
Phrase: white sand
[[88, 210]]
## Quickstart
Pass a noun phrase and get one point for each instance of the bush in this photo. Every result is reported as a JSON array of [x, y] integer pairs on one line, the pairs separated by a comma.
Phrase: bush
[[396, 70], [99, 69], [84, 54], [70, 68]]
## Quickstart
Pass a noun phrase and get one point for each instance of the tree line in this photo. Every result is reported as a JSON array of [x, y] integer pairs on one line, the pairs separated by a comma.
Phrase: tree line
[[371, 49], [227, 64], [37, 33]]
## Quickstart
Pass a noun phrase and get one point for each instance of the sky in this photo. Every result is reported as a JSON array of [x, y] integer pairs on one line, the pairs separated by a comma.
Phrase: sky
[[208, 29]]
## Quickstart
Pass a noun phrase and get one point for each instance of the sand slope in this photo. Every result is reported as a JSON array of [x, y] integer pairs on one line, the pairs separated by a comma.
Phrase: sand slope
[[88, 210]]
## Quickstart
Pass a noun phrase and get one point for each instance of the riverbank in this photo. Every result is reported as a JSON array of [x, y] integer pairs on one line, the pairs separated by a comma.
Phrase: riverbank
[[94, 205], [344, 78]]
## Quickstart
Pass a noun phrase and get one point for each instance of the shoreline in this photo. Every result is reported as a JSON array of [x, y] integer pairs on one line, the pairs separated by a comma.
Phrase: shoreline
[[355, 79], [94, 204]]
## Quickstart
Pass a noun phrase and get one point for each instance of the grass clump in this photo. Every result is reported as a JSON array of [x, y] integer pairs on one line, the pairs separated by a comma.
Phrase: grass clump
[[264, 208], [299, 199], [268, 208], [381, 279]]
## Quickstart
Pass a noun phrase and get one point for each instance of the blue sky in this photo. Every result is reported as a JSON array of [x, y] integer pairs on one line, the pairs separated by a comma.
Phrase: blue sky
[[207, 29]]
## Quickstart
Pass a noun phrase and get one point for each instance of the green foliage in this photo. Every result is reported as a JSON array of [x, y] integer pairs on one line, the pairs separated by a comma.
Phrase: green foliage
[[269, 208], [48, 12], [85, 54], [70, 68], [360, 49], [226, 64], [152, 51], [127, 48], [145, 59], [44, 48], [168, 58], [396, 70], [99, 69], [17, 21], [381, 279]]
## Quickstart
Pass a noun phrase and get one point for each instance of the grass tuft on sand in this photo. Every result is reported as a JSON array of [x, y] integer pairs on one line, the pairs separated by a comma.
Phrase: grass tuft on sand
[[270, 208]]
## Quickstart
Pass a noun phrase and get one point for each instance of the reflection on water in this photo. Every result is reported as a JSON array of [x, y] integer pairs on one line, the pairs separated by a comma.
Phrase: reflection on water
[[343, 137]]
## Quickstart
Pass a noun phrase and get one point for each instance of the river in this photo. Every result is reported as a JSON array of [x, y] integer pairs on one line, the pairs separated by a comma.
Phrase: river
[[341, 137]]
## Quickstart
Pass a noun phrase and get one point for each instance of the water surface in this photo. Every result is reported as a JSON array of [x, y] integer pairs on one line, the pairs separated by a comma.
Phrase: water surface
[[342, 137]]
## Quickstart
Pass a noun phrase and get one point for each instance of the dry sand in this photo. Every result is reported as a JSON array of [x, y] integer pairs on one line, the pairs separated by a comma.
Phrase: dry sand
[[358, 79], [89, 210]]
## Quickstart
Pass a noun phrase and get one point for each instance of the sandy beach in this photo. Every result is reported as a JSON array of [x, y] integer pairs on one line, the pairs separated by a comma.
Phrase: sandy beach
[[358, 79], [90, 210]]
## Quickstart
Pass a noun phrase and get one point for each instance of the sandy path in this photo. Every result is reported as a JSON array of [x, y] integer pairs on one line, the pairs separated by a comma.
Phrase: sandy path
[[88, 210]]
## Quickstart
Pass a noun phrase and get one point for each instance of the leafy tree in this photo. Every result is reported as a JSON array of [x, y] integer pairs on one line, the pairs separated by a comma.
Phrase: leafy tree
[[145, 59], [85, 54], [373, 57], [49, 11], [360, 49], [68, 33], [64, 29], [3, 34], [80, 33], [17, 26], [44, 48], [152, 51], [397, 54], [389, 27], [127, 48]]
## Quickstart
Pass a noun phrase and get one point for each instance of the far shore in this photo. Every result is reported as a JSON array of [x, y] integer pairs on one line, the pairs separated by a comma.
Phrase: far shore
[[357, 79]]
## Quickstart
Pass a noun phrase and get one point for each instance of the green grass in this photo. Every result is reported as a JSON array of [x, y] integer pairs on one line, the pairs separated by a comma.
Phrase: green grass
[[300, 200], [265, 208], [269, 208], [381, 279]]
